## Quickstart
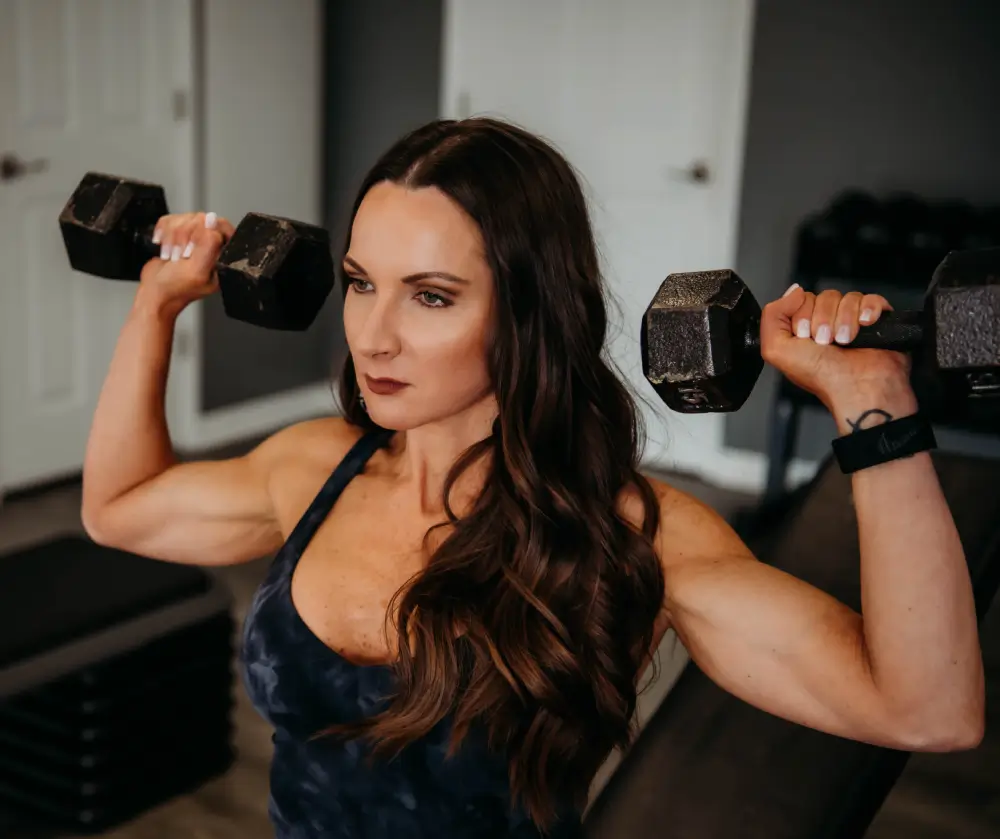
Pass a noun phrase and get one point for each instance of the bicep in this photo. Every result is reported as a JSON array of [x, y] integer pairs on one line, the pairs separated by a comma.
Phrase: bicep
[[198, 513], [767, 637]]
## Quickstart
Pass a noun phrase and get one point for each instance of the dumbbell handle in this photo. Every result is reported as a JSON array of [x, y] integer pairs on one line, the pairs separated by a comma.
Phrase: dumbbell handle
[[144, 239], [903, 331]]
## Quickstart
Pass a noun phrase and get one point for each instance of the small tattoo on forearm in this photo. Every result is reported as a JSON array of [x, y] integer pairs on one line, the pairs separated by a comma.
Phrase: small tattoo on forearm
[[856, 424]]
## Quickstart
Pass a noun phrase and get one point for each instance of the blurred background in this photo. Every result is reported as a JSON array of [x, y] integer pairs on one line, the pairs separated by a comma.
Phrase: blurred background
[[846, 143]]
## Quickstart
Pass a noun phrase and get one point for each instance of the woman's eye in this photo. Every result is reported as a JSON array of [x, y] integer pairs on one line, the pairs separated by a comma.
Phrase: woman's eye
[[434, 301], [426, 298]]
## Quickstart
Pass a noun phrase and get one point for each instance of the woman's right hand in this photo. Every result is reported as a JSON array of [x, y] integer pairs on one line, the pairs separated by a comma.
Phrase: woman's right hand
[[184, 271]]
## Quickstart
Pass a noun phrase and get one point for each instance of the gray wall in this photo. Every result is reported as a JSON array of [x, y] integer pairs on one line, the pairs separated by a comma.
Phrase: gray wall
[[876, 94], [382, 77], [260, 74]]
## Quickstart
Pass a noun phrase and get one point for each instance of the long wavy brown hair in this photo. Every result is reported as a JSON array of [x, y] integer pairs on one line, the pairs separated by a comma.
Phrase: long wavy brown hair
[[551, 592]]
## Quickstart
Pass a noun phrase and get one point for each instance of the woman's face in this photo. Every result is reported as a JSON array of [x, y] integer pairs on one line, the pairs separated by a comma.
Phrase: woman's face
[[418, 306]]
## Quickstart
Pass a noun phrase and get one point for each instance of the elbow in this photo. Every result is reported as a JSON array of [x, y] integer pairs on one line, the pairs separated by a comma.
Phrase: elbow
[[952, 735], [95, 525]]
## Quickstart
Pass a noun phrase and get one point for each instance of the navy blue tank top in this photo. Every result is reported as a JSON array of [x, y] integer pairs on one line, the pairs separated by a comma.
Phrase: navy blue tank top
[[322, 788]]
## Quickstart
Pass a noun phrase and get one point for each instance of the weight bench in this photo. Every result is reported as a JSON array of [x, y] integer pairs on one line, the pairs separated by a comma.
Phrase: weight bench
[[115, 684], [709, 766]]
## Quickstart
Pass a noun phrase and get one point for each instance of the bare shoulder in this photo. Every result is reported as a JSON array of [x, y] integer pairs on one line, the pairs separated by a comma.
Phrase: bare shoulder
[[323, 441], [296, 461], [690, 538], [689, 528]]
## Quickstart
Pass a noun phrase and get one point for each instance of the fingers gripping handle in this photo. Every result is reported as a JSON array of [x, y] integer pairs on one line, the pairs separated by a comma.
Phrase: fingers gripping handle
[[904, 331], [900, 331]]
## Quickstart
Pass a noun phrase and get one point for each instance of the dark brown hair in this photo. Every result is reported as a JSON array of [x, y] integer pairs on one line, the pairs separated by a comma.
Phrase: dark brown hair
[[550, 591]]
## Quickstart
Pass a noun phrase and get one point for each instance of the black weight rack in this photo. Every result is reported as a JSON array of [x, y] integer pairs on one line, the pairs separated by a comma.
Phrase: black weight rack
[[889, 246]]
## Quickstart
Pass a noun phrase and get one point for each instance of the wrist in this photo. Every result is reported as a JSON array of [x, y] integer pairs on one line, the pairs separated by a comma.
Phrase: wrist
[[151, 305], [869, 405]]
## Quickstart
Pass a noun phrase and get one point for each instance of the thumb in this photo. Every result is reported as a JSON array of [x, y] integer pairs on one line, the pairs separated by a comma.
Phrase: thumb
[[208, 243], [776, 317]]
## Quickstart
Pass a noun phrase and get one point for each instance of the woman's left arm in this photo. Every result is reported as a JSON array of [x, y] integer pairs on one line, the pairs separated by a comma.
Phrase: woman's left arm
[[909, 673], [920, 631]]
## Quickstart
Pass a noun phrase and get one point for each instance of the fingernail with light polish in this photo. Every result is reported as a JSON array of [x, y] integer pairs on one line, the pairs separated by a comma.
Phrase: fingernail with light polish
[[823, 334], [188, 250], [165, 251], [210, 220], [843, 335], [866, 316], [803, 330], [175, 254], [157, 236], [790, 289]]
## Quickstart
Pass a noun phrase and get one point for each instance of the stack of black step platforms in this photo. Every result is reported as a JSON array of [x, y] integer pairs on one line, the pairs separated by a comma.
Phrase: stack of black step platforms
[[116, 685]]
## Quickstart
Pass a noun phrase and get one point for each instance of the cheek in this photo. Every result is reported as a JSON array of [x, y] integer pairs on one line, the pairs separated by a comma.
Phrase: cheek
[[349, 317], [453, 352], [454, 340]]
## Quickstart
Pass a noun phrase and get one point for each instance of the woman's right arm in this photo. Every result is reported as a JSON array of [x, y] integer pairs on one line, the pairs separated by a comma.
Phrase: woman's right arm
[[136, 496]]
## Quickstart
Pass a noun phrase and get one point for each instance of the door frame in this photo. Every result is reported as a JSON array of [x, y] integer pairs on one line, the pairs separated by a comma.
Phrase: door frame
[[192, 429]]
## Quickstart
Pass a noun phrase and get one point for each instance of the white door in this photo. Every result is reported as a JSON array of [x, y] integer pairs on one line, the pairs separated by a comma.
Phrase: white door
[[84, 85], [636, 93]]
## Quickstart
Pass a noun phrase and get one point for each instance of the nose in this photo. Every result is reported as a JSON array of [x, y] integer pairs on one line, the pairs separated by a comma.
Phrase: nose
[[378, 334]]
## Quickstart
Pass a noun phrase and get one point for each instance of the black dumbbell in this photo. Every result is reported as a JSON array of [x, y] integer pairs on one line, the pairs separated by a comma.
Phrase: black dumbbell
[[274, 272], [700, 336]]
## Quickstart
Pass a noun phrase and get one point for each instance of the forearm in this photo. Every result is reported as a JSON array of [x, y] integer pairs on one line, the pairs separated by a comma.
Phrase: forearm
[[129, 441], [920, 630]]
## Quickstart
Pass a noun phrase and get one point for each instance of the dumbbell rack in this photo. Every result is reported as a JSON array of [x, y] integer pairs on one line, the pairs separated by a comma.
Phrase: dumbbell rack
[[115, 685], [888, 247]]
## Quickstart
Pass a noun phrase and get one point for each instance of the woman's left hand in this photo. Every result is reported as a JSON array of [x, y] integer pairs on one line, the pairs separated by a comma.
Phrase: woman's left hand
[[801, 333]]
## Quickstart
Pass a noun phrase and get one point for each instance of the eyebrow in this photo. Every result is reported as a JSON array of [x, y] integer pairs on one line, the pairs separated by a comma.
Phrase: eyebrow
[[412, 278]]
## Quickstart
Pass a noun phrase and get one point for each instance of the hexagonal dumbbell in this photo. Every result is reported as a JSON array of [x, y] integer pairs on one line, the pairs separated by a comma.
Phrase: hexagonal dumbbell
[[274, 272], [700, 335]]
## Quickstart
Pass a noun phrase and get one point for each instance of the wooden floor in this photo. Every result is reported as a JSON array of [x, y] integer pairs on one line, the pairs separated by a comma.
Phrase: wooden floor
[[953, 796]]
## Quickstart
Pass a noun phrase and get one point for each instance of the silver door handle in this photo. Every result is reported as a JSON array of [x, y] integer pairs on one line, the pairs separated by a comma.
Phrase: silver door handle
[[13, 167]]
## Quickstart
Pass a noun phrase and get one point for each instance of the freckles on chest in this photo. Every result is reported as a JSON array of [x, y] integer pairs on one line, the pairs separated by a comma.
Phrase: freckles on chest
[[342, 588]]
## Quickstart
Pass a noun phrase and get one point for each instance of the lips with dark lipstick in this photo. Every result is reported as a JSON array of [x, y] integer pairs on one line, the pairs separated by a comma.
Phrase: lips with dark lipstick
[[384, 387]]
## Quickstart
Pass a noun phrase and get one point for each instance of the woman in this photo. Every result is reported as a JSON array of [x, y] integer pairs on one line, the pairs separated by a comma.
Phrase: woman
[[481, 494]]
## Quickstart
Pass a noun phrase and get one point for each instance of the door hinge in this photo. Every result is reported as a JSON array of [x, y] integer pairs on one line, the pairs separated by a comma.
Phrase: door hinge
[[181, 105]]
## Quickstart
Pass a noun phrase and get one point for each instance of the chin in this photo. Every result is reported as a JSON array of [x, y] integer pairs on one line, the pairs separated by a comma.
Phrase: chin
[[401, 412], [393, 418]]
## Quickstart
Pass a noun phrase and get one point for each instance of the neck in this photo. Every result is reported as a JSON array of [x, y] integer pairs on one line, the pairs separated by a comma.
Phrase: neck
[[422, 457]]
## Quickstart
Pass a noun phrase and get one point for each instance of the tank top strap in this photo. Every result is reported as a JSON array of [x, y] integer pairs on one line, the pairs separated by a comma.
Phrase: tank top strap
[[352, 464]]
